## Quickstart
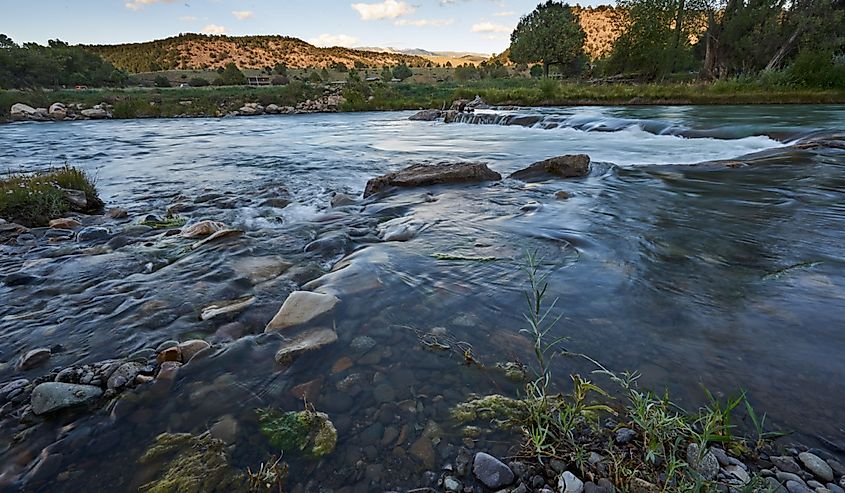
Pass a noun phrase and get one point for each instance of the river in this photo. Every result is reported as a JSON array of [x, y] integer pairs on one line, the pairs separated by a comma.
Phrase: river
[[727, 278]]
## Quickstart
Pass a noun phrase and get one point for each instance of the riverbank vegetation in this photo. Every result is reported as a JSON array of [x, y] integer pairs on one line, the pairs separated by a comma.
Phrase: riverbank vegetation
[[637, 440], [33, 199]]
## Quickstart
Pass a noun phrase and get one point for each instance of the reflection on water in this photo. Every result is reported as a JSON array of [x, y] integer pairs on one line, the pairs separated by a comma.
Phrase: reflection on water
[[667, 270]]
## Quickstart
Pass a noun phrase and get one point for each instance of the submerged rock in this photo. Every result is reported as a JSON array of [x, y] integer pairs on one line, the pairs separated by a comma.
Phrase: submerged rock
[[427, 115], [64, 223], [53, 396], [301, 307], [202, 229], [494, 473], [196, 464], [308, 341], [569, 166], [419, 175], [225, 307], [34, 357], [307, 433]]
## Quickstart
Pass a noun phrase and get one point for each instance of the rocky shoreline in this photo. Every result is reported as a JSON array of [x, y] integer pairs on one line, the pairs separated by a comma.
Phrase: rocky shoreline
[[330, 102]]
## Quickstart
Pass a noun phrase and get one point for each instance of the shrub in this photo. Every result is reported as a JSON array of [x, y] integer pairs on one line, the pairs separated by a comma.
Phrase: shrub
[[198, 82], [314, 77], [161, 81], [280, 80], [402, 72], [35, 199]]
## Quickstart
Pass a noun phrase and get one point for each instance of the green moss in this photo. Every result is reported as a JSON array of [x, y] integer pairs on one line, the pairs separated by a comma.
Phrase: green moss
[[33, 199], [494, 407], [194, 464], [307, 433]]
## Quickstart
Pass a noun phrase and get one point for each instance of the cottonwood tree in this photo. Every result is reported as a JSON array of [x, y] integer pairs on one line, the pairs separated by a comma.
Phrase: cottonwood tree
[[551, 35]]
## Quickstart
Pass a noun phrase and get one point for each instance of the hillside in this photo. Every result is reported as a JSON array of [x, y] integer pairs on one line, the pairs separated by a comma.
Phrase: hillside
[[200, 51], [438, 57], [603, 25]]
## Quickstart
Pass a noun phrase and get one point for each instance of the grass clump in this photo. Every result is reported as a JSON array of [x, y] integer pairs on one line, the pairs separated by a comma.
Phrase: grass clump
[[33, 199]]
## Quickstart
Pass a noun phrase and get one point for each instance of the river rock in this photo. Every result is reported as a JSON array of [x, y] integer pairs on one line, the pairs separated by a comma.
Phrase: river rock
[[423, 450], [95, 113], [58, 111], [419, 175], [93, 233], [494, 473], [624, 436], [191, 348], [569, 483], [20, 111], [342, 199], [34, 357], [816, 465], [705, 464], [477, 104], [225, 429], [301, 307], [737, 473], [53, 396], [64, 223], [427, 115], [202, 229], [251, 109], [305, 342], [796, 487], [786, 464], [569, 166], [226, 307], [272, 109], [124, 374]]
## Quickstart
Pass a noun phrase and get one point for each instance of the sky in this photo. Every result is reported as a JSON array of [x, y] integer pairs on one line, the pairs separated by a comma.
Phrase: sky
[[481, 26]]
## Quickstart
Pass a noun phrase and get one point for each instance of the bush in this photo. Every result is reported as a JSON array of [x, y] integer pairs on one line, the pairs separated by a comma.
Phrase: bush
[[35, 199], [231, 76], [161, 81], [816, 69], [198, 82], [314, 77], [536, 71], [402, 72], [280, 80]]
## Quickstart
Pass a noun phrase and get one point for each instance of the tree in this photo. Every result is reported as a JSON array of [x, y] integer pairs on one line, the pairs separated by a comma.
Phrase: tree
[[551, 34], [231, 76], [281, 69], [161, 81], [402, 72], [314, 77], [198, 82], [324, 74], [386, 74]]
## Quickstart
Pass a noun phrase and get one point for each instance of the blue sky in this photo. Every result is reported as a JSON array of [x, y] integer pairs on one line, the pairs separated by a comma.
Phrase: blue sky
[[461, 25]]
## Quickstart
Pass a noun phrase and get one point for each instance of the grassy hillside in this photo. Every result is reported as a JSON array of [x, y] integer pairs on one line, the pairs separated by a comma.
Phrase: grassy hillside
[[199, 51]]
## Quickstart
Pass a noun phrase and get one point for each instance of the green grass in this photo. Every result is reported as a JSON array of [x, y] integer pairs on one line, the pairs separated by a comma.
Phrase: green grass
[[35, 199]]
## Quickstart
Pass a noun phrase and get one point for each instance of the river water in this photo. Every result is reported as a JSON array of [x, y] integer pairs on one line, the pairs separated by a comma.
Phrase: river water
[[728, 278]]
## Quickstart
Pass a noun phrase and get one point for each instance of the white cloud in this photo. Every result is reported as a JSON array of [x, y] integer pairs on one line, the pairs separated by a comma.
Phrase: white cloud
[[188, 18], [214, 29], [504, 14], [424, 22], [242, 15], [489, 27], [388, 9], [328, 40], [137, 5]]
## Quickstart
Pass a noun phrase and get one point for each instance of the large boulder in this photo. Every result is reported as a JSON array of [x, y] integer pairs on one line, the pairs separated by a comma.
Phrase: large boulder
[[427, 116], [20, 111], [477, 104], [58, 111], [420, 175], [251, 109], [301, 307], [95, 113], [569, 166]]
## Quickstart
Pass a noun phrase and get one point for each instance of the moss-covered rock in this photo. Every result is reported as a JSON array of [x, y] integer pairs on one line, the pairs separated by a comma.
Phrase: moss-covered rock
[[306, 433], [192, 464], [493, 407]]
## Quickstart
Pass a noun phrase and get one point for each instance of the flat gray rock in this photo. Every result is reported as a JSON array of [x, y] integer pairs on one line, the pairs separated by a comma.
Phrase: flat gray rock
[[494, 473], [53, 396], [816, 465]]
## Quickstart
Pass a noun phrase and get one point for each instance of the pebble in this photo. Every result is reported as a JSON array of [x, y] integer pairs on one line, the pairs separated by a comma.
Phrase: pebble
[[452, 484], [721, 456], [557, 465], [816, 465], [834, 488], [170, 354], [738, 473], [225, 429], [491, 471], [562, 195], [384, 393], [362, 344], [124, 374], [783, 477], [342, 365], [838, 468], [142, 354], [796, 487], [569, 483], [190, 348], [423, 450], [33, 358], [775, 486], [624, 436], [706, 465], [785, 464]]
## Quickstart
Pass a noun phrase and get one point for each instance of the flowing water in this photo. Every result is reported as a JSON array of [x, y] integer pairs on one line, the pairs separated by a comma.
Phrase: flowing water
[[731, 278]]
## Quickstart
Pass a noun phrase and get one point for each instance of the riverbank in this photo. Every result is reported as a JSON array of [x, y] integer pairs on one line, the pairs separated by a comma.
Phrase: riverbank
[[299, 97]]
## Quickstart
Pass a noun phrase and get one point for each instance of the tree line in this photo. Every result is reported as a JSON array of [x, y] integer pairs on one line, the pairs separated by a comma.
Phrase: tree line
[[797, 42], [55, 65]]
